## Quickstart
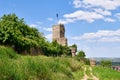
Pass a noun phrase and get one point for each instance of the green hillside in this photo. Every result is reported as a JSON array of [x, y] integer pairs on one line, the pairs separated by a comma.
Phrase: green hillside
[[37, 67], [17, 67], [55, 63]]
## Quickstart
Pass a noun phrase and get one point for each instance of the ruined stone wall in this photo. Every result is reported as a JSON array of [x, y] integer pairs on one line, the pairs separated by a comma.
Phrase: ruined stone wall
[[73, 51], [58, 34], [92, 62]]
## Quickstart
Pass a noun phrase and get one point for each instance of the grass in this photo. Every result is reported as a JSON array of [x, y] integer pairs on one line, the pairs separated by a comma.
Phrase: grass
[[106, 73], [88, 71], [16, 67], [7, 53]]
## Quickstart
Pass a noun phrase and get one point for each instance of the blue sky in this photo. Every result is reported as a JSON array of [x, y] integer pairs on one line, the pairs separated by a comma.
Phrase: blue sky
[[94, 25]]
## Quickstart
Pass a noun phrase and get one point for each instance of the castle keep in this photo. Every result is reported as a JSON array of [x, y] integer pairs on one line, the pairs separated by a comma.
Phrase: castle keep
[[58, 34]]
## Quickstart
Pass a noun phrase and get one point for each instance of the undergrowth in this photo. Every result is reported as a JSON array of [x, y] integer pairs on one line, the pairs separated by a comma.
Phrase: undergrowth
[[16, 67]]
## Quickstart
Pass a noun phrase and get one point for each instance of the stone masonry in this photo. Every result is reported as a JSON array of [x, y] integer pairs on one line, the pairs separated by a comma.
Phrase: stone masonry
[[58, 34]]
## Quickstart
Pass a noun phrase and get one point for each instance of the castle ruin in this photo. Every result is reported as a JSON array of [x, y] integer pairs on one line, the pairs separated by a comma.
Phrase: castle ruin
[[58, 34]]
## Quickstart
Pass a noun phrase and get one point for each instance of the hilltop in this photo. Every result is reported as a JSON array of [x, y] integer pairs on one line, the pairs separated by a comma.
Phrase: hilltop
[[18, 67]]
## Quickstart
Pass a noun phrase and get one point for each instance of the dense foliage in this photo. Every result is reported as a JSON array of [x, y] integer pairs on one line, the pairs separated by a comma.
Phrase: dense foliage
[[106, 63], [74, 46], [82, 57], [8, 52], [81, 54], [15, 33]]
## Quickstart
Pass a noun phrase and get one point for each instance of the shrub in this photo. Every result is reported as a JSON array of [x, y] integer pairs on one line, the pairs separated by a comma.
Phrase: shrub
[[106, 63], [7, 52]]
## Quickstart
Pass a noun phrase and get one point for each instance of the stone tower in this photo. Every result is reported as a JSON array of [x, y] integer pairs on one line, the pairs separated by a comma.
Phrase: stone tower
[[58, 34]]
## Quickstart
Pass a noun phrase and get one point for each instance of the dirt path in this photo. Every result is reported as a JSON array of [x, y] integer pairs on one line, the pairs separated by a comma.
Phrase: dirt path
[[91, 76], [85, 75]]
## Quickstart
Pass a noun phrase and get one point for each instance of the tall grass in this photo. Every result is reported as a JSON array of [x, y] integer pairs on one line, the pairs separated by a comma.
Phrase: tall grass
[[37, 67], [106, 73], [7, 52]]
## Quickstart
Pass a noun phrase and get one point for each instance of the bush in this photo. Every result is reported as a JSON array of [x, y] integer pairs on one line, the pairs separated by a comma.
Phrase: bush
[[106, 63], [7, 52]]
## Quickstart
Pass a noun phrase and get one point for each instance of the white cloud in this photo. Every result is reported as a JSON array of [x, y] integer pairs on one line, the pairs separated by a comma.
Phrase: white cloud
[[102, 12], [66, 21], [50, 19], [47, 29], [92, 10], [82, 15], [118, 15], [36, 24], [77, 3], [105, 4], [48, 36], [39, 23], [109, 20], [101, 36], [33, 25], [109, 39], [62, 22]]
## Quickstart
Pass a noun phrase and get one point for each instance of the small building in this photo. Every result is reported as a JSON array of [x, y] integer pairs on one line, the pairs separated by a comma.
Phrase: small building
[[116, 68], [92, 63], [73, 51]]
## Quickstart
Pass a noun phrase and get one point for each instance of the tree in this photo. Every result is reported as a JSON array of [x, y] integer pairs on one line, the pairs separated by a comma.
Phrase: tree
[[81, 57], [67, 51], [14, 32], [75, 46], [106, 63], [81, 54]]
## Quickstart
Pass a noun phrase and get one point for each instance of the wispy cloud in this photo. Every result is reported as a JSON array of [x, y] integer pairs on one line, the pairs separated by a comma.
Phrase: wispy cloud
[[66, 21], [105, 4], [84, 15], [100, 36], [109, 20], [50, 19], [40, 23], [103, 12], [36, 24], [49, 37], [47, 29], [33, 25], [77, 3], [118, 16], [92, 10]]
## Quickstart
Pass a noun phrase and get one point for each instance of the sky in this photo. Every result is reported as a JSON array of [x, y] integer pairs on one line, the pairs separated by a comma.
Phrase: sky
[[94, 25]]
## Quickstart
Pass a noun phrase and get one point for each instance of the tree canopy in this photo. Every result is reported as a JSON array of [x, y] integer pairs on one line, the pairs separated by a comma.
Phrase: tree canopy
[[106, 63], [16, 33], [81, 54]]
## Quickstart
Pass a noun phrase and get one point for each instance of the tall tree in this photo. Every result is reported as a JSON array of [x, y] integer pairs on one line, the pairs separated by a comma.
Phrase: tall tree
[[14, 32], [106, 63], [81, 54]]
